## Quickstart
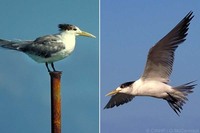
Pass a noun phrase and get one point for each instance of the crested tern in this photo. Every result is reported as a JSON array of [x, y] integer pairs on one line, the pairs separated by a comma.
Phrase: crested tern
[[154, 81], [50, 48]]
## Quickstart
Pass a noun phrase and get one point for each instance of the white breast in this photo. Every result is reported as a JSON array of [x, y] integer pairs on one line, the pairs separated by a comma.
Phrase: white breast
[[150, 88]]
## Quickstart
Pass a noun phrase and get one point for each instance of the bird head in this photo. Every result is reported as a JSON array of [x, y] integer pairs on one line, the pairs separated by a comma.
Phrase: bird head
[[123, 88], [74, 30]]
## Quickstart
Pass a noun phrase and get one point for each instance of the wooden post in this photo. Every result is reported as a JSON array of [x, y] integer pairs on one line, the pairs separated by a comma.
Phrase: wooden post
[[55, 102]]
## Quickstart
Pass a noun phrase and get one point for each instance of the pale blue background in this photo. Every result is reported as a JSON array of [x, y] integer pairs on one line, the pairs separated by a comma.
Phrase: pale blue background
[[25, 84], [128, 29]]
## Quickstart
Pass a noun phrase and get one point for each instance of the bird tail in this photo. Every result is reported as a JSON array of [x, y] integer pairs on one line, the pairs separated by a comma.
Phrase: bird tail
[[9, 44], [13, 45], [179, 96]]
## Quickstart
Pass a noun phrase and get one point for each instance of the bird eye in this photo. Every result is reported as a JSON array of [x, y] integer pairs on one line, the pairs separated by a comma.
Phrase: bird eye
[[126, 84], [74, 29], [122, 86]]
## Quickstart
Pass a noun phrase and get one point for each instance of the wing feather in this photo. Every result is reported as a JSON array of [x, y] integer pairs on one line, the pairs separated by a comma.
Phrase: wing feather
[[44, 46], [118, 99], [161, 56]]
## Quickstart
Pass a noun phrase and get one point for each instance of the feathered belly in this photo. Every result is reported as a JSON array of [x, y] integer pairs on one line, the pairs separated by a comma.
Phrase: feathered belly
[[154, 89], [52, 58]]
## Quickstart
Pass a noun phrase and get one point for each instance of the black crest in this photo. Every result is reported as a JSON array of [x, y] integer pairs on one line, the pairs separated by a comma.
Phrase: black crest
[[66, 27], [126, 84]]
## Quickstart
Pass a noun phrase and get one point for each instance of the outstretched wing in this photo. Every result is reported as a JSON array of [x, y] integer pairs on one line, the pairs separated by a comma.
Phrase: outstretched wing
[[161, 56], [118, 99]]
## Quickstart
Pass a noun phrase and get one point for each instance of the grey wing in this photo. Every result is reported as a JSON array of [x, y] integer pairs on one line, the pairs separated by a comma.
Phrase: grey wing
[[161, 56], [118, 99], [44, 46]]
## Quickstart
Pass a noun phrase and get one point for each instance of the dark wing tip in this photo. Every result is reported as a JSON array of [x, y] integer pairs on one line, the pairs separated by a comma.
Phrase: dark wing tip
[[118, 99], [186, 21], [189, 15], [183, 25]]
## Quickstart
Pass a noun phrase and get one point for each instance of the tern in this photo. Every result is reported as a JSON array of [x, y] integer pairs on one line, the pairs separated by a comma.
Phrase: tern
[[154, 81], [50, 48]]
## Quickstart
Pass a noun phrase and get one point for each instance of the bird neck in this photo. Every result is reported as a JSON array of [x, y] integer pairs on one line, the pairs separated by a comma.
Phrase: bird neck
[[69, 40]]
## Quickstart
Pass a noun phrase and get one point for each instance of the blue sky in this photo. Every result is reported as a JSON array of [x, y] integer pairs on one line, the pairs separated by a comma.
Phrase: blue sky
[[128, 29], [25, 84]]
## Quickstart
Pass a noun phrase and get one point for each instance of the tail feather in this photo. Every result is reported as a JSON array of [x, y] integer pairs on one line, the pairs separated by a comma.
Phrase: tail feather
[[179, 96], [13, 45], [9, 44]]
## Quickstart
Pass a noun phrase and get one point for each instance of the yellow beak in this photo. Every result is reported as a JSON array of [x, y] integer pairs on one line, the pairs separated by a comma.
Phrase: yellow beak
[[83, 33], [112, 92]]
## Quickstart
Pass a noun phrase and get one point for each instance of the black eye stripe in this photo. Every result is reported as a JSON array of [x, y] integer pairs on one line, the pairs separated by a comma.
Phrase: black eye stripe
[[126, 84]]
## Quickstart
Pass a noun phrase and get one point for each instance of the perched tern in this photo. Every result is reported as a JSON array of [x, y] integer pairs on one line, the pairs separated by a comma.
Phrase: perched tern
[[154, 81], [50, 48]]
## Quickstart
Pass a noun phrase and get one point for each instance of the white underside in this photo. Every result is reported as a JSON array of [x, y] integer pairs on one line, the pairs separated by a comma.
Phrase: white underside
[[55, 57], [151, 88]]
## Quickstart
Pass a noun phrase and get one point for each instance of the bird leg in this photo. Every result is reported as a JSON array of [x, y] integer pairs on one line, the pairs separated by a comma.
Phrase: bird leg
[[52, 65], [47, 67]]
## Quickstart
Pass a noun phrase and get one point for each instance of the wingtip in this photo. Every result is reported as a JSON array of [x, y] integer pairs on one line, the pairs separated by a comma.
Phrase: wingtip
[[190, 15], [190, 12], [106, 107]]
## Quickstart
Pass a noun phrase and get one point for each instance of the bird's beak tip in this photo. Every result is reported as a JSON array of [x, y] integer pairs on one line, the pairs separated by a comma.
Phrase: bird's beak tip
[[107, 94], [83, 33], [112, 93]]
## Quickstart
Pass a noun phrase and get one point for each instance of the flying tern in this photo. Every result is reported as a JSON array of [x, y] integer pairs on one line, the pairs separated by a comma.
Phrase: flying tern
[[50, 48], [154, 81]]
